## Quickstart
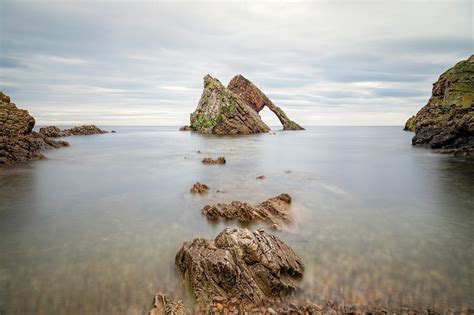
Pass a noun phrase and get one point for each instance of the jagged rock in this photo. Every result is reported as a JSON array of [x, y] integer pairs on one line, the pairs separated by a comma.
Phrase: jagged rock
[[18, 143], [199, 188], [164, 305], [219, 160], [185, 128], [221, 112], [274, 211], [14, 121], [447, 120], [84, 130], [241, 265], [251, 94]]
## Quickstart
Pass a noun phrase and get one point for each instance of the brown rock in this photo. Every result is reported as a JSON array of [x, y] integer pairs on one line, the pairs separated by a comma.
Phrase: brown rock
[[17, 141], [199, 188], [251, 94], [185, 128], [84, 130], [248, 266], [274, 211], [164, 305], [221, 112], [261, 177], [219, 160]]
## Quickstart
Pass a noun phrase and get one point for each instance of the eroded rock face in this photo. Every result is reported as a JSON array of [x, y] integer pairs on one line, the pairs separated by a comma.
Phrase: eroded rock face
[[447, 121], [17, 141], [274, 211], [164, 305], [221, 112], [239, 264], [84, 130], [251, 94]]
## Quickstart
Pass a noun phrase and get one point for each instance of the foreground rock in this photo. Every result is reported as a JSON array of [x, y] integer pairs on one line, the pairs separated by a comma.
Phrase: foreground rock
[[219, 160], [221, 112], [251, 94], [199, 188], [447, 121], [18, 143], [239, 265], [164, 305], [274, 211], [84, 130]]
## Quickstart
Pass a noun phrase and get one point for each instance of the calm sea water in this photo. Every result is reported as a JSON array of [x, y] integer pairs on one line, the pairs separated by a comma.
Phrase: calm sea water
[[95, 227]]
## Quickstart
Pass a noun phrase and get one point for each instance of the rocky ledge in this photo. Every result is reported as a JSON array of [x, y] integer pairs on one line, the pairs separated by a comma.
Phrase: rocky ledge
[[18, 143], [233, 110], [274, 211], [239, 265], [446, 122], [84, 130]]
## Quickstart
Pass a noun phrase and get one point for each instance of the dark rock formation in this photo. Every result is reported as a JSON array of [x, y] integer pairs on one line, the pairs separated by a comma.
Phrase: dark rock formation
[[221, 112], [185, 128], [447, 121], [261, 177], [274, 211], [199, 188], [251, 94], [219, 160], [241, 265], [18, 143], [84, 130]]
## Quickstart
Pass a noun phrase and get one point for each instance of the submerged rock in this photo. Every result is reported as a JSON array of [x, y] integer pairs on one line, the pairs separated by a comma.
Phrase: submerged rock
[[84, 130], [199, 188], [241, 265], [219, 160], [274, 211], [221, 112], [447, 121], [246, 90], [164, 305], [18, 143]]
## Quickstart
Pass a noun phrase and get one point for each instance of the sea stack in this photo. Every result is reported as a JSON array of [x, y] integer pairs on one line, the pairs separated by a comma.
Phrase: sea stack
[[234, 110], [447, 121]]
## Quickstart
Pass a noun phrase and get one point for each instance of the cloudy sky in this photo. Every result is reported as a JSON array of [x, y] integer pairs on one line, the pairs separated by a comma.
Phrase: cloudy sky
[[142, 62]]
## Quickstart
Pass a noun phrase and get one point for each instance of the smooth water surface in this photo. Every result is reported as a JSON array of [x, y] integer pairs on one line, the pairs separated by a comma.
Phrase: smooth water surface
[[95, 227]]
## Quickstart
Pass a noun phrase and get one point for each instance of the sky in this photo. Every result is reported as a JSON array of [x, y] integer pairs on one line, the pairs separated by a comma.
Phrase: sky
[[142, 62]]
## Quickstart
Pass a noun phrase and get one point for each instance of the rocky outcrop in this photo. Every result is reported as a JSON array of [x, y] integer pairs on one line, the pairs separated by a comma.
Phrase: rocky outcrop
[[221, 112], [164, 305], [84, 130], [274, 211], [219, 160], [18, 143], [185, 128], [251, 94], [238, 264], [199, 188], [447, 121]]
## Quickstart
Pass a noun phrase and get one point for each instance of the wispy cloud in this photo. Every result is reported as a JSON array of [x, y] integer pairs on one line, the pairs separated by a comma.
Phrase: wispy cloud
[[338, 62]]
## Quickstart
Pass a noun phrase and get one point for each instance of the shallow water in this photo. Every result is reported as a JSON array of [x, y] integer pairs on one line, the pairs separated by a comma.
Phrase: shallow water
[[95, 227]]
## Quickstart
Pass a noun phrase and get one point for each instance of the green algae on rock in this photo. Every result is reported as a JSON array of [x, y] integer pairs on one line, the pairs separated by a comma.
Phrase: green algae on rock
[[221, 112], [446, 122]]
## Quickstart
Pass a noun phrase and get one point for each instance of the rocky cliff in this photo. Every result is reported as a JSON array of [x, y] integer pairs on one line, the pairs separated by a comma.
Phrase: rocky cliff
[[221, 112], [17, 140], [251, 94], [447, 121]]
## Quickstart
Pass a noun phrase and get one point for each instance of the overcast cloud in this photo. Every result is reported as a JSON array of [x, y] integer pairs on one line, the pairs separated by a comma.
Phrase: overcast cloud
[[142, 62]]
